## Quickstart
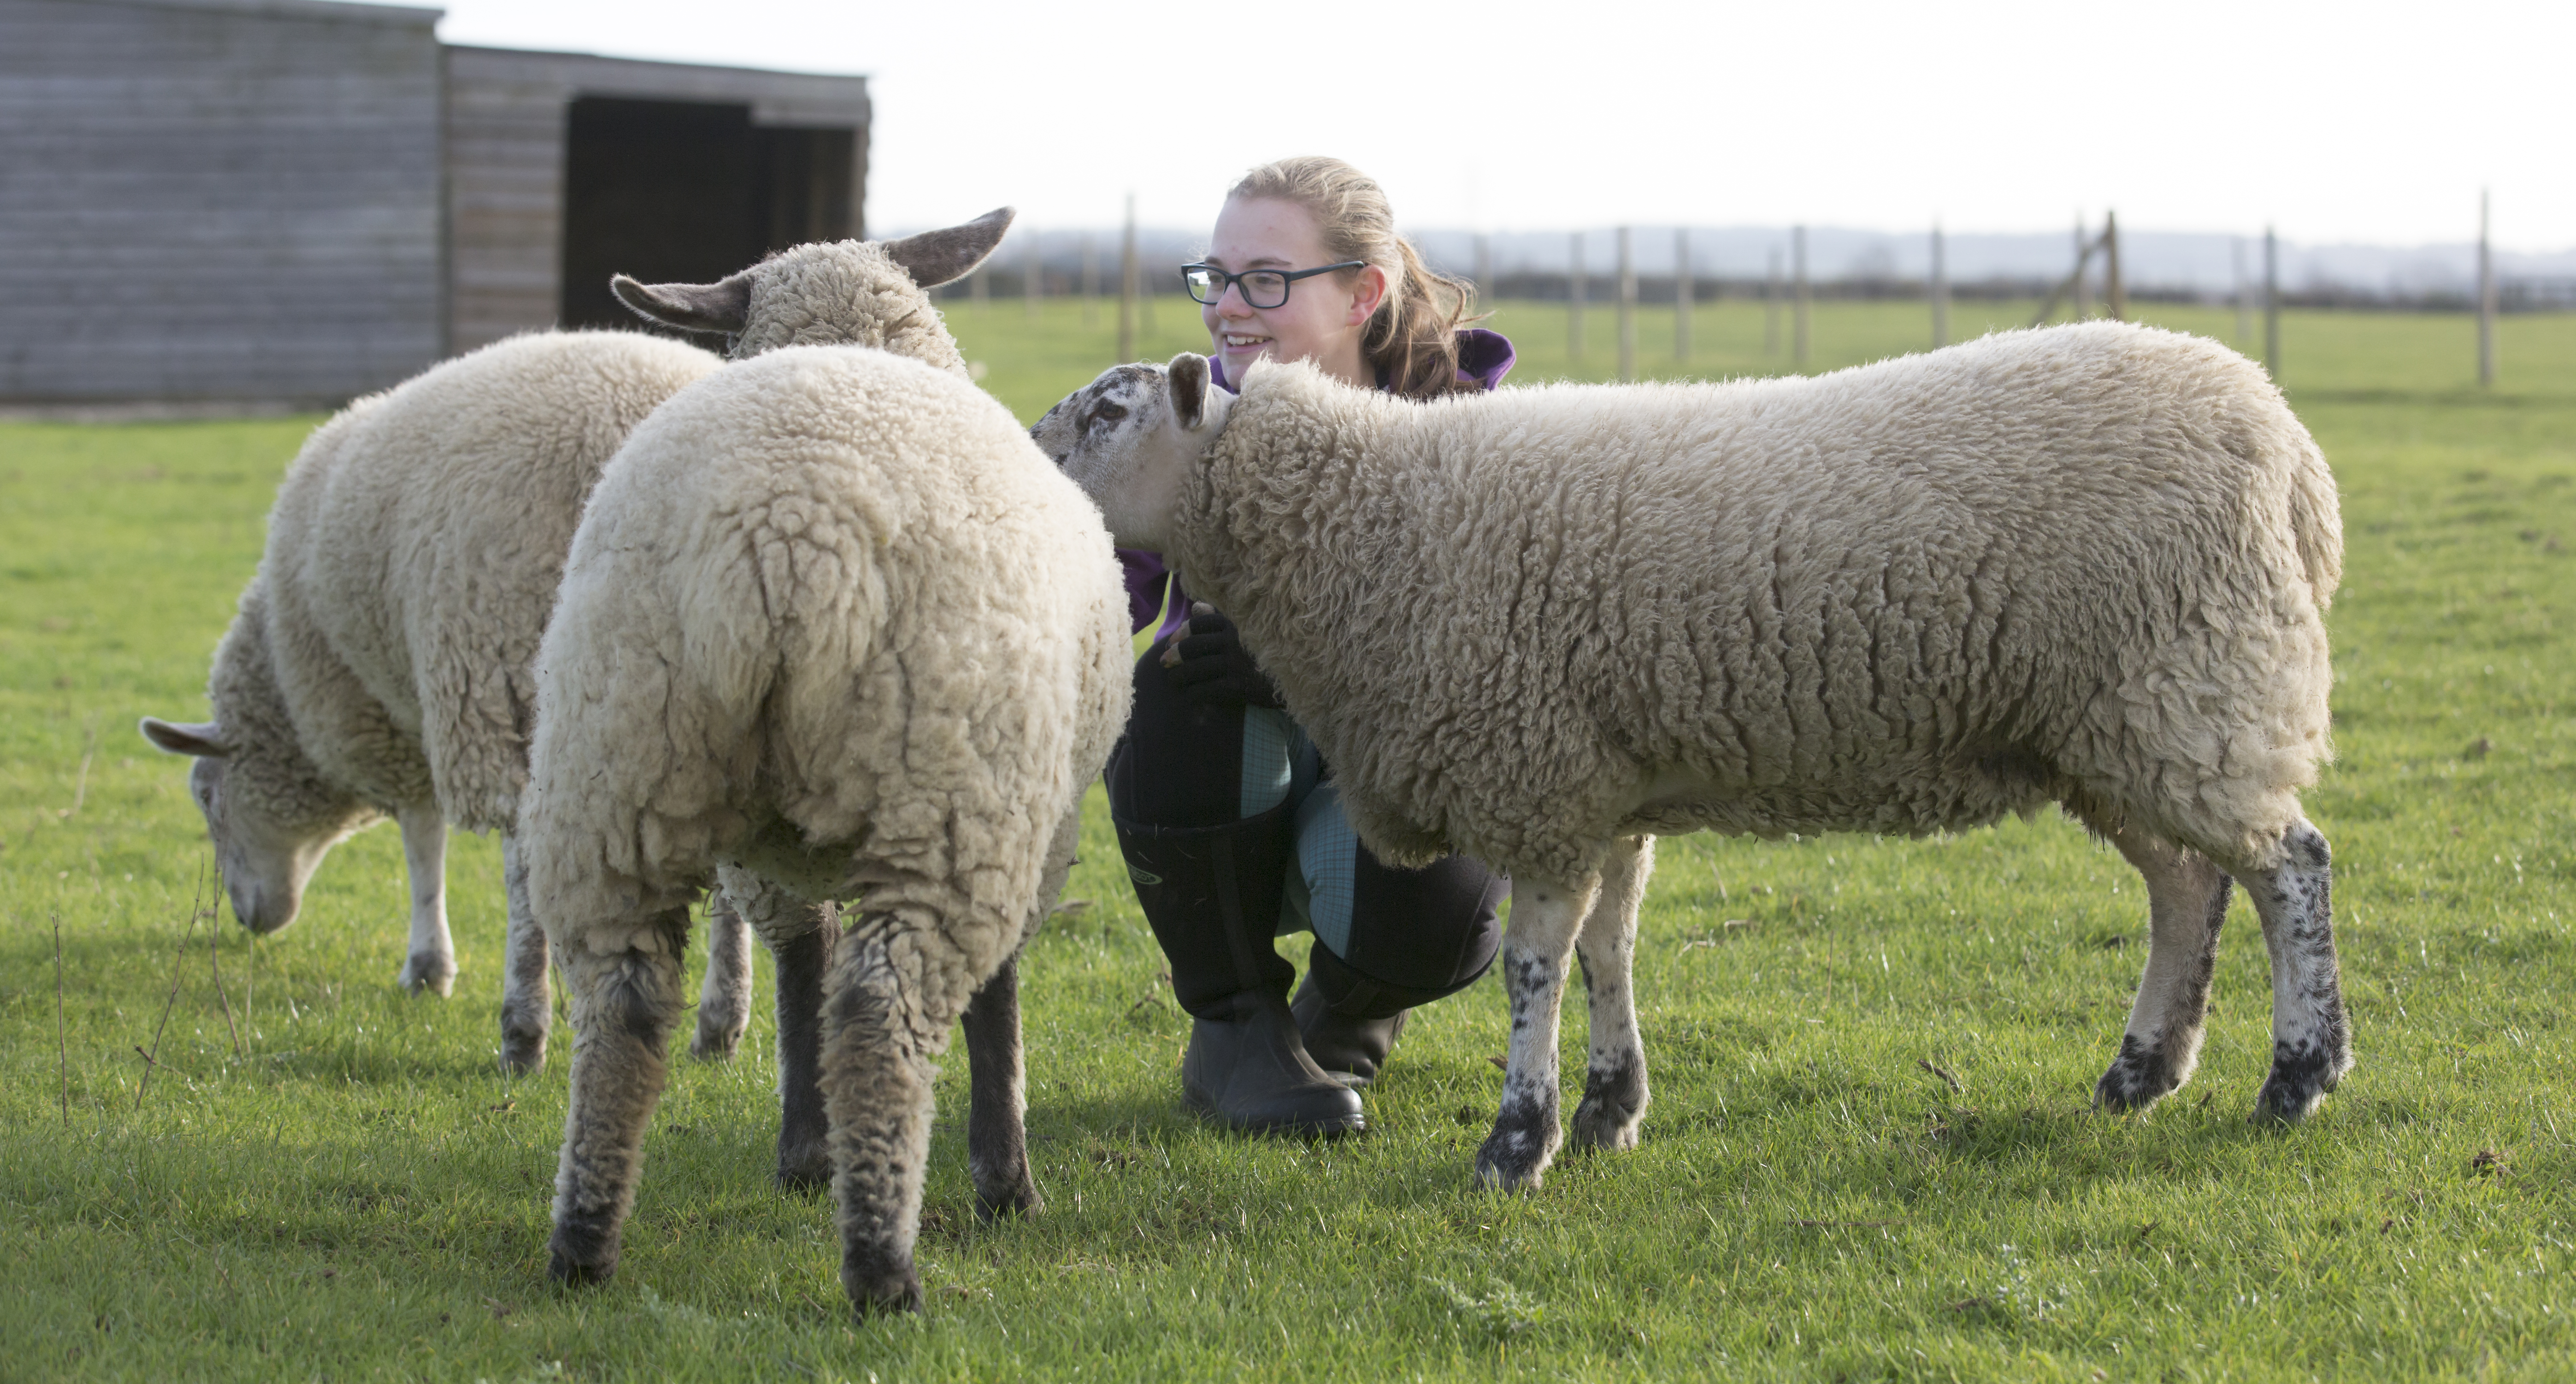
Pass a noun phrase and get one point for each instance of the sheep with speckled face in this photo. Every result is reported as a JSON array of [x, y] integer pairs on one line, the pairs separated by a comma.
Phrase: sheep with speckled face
[[2085, 565], [832, 621], [379, 665]]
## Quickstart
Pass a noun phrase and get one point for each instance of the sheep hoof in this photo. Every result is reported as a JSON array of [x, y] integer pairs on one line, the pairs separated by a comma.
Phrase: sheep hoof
[[428, 971], [523, 1043], [2296, 1087], [806, 1172], [521, 1055], [1020, 1200], [1614, 1104], [1599, 1125], [583, 1256], [1514, 1159], [2137, 1078], [714, 1042], [880, 1284]]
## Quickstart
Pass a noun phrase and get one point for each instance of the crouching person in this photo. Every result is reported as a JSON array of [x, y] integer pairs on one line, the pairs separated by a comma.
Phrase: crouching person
[[1229, 820]]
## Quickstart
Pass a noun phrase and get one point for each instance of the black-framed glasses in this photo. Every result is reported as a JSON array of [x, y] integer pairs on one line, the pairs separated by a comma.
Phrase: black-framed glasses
[[1262, 288]]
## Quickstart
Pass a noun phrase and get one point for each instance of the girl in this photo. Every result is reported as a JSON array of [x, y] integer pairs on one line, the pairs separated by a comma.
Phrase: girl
[[1229, 820]]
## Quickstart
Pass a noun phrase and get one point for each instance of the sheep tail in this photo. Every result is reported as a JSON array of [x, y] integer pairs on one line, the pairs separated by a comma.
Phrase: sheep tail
[[2316, 520]]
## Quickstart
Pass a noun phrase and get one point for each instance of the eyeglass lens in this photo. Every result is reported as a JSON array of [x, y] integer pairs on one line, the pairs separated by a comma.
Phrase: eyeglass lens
[[1262, 288]]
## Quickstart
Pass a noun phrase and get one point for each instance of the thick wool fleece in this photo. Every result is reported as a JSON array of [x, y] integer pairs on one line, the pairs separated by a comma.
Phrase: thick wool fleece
[[2085, 563], [844, 293], [831, 616], [412, 558]]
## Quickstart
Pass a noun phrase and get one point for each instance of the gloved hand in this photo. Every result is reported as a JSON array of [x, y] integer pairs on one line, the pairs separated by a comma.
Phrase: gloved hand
[[1210, 664]]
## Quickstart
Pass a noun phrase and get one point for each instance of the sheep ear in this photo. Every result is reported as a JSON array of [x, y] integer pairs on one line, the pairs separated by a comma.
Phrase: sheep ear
[[722, 306], [201, 740], [1187, 377], [937, 257]]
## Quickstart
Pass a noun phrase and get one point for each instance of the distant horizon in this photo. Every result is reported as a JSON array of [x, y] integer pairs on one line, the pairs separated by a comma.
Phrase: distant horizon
[[2202, 262]]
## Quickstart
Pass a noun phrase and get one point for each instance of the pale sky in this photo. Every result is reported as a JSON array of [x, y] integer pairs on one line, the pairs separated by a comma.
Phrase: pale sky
[[2354, 122]]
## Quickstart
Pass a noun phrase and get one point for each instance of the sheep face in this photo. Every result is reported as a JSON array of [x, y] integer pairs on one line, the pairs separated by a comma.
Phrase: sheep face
[[1131, 438], [265, 848]]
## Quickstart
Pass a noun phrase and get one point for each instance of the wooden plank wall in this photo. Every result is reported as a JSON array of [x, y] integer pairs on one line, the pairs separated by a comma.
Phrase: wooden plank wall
[[217, 199], [506, 113]]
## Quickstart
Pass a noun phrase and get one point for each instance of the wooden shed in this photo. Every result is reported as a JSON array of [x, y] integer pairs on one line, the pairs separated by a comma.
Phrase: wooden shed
[[298, 201], [563, 169]]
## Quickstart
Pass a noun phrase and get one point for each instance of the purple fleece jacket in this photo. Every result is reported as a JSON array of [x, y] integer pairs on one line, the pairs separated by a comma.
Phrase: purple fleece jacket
[[1483, 359]]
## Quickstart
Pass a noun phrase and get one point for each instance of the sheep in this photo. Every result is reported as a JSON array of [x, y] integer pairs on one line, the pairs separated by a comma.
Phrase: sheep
[[380, 661], [2084, 564], [831, 620]]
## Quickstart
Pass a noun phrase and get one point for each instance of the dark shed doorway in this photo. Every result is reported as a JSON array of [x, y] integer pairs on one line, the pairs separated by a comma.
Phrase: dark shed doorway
[[687, 192]]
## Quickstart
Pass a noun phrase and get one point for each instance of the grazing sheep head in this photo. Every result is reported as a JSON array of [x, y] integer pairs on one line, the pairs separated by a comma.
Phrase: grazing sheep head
[[831, 293], [1129, 439], [271, 823]]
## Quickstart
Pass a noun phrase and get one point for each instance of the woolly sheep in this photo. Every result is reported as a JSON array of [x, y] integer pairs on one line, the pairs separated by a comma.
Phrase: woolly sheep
[[831, 620], [2084, 564], [380, 662]]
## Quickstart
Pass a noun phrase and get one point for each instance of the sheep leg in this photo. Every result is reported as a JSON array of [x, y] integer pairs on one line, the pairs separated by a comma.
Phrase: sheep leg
[[2311, 1034], [724, 1001], [997, 1144], [624, 1005], [432, 962], [877, 1045], [997, 1149], [1614, 1082], [800, 936], [2186, 904], [1545, 919], [527, 1000]]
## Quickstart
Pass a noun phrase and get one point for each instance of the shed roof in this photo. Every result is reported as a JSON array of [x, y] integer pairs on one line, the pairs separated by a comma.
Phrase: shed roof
[[398, 16]]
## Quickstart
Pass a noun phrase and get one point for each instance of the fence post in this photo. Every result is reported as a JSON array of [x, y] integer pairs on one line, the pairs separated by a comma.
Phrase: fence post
[[1127, 286], [2271, 305], [1627, 308], [2244, 298], [2113, 290], [1798, 271], [1033, 274], [1685, 288], [1574, 298], [1771, 307], [1485, 267], [1090, 282], [2083, 290], [2486, 299], [1940, 291]]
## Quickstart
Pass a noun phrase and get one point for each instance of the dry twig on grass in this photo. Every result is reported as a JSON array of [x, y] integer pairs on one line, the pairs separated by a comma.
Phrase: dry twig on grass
[[62, 1049], [214, 963], [80, 786], [153, 1064], [1951, 1081], [152, 1060]]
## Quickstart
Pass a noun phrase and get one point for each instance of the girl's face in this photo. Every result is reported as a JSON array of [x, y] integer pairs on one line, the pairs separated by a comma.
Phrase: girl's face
[[1324, 315]]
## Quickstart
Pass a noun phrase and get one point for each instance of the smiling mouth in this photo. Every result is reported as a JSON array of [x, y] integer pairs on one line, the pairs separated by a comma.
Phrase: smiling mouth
[[1235, 342]]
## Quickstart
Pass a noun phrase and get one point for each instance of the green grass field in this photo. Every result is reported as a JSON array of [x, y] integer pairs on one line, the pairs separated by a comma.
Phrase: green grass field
[[351, 1191]]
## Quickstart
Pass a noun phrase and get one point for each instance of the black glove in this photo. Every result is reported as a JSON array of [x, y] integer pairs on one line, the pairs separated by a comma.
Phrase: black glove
[[1210, 665]]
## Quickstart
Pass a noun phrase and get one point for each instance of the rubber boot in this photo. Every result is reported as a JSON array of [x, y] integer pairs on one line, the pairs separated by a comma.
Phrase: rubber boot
[[1349, 1050], [1212, 895], [1349, 1022]]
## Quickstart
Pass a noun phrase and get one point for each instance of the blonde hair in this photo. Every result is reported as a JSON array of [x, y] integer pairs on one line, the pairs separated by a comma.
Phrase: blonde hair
[[1412, 339]]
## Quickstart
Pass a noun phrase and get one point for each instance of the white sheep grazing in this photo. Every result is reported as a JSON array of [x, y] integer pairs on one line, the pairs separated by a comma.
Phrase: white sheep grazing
[[2084, 564], [832, 620], [380, 662]]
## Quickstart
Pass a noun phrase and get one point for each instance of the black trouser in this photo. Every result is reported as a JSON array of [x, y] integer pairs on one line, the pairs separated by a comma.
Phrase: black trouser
[[1189, 775]]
